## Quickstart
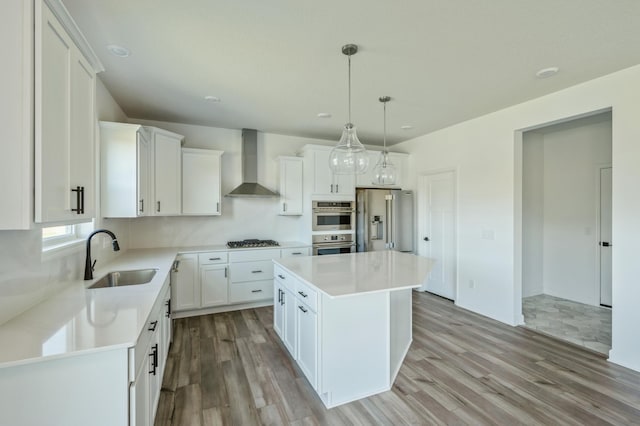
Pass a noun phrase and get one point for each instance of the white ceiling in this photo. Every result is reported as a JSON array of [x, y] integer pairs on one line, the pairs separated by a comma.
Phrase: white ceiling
[[277, 64]]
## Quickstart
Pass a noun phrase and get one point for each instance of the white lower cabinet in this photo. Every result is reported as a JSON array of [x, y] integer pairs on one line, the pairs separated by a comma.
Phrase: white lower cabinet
[[284, 313], [186, 283], [214, 285], [307, 339]]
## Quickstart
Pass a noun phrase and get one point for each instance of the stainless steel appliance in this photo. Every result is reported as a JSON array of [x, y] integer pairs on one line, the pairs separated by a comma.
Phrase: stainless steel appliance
[[333, 244], [252, 243], [384, 220], [333, 216]]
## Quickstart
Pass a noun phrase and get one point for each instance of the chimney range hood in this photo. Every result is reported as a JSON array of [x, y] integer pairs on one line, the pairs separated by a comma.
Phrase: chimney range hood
[[250, 188]]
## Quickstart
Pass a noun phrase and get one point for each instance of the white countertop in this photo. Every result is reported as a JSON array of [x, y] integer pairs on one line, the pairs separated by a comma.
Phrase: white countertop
[[79, 319], [357, 273]]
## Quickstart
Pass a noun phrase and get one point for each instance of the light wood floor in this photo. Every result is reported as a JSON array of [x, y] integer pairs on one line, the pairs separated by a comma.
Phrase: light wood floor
[[231, 369]]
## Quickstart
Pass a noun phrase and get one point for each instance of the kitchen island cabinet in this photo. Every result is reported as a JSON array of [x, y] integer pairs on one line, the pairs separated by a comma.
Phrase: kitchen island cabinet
[[352, 325]]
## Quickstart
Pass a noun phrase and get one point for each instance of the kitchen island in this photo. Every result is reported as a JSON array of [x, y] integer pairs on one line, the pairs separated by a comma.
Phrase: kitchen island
[[346, 319]]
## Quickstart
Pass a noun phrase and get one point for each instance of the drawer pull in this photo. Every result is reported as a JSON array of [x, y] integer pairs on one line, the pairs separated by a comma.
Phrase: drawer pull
[[302, 309], [256, 291], [302, 294], [257, 271], [153, 325], [296, 253], [214, 258], [281, 276]]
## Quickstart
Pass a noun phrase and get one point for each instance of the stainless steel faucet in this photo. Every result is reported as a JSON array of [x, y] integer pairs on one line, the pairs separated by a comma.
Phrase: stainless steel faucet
[[88, 266]]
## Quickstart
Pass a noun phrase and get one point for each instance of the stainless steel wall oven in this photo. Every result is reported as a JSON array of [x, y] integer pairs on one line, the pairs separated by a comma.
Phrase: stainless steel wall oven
[[333, 216], [333, 244]]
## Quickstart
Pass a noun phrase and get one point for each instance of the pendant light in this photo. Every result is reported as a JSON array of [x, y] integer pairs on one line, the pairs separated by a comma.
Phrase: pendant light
[[384, 173], [349, 156]]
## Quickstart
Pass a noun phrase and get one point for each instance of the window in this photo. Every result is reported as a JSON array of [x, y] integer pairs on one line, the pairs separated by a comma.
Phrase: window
[[64, 236]]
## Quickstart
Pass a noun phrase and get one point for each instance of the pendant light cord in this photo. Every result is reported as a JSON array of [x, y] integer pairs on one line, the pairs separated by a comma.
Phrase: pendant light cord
[[349, 89], [384, 140]]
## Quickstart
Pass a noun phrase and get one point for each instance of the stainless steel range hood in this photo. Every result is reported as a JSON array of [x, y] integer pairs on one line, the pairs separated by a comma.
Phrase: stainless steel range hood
[[250, 186]]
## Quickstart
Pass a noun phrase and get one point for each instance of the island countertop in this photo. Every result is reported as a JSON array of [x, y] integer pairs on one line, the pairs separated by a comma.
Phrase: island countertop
[[358, 273]]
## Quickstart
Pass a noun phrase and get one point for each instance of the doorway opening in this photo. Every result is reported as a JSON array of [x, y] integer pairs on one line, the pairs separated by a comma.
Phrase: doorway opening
[[566, 229]]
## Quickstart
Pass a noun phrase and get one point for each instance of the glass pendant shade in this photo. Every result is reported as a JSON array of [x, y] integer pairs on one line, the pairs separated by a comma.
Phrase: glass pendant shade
[[349, 156], [384, 173]]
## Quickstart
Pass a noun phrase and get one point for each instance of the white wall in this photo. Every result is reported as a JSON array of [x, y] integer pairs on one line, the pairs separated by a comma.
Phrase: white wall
[[241, 217], [25, 277], [532, 214], [484, 152]]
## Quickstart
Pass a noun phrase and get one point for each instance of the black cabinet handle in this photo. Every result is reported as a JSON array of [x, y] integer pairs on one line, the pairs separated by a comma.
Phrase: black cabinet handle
[[281, 276], [302, 294], [153, 325], [280, 296], [154, 359], [296, 253], [214, 258], [141, 205], [426, 238], [158, 206], [256, 291], [168, 304], [79, 190], [257, 271], [302, 309], [605, 243]]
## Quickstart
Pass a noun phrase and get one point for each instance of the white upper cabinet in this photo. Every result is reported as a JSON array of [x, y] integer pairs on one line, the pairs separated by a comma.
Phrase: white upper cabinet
[[201, 173], [139, 163], [291, 179], [125, 156], [16, 114], [64, 124], [399, 160], [167, 173], [325, 184]]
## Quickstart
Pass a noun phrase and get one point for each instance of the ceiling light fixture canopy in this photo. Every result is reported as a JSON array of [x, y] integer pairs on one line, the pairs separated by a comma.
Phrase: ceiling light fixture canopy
[[349, 156], [384, 172]]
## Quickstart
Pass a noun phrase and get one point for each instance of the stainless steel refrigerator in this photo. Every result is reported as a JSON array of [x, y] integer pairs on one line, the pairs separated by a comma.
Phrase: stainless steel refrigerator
[[384, 220]]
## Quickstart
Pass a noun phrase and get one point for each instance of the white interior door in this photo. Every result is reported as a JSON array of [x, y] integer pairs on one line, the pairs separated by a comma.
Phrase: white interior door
[[605, 236], [437, 218]]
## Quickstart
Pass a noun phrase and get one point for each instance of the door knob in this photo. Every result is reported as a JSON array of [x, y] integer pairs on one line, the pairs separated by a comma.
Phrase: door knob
[[426, 238]]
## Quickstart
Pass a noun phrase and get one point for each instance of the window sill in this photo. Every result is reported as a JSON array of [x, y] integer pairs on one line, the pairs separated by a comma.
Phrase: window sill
[[64, 249]]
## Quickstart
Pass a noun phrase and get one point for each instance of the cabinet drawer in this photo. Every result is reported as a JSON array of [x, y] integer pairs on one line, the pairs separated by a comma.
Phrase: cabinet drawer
[[285, 278], [296, 251], [307, 295], [251, 271], [250, 255], [250, 291], [139, 352], [213, 257]]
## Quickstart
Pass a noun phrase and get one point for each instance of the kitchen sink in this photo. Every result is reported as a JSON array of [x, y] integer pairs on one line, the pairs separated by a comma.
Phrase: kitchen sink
[[123, 278]]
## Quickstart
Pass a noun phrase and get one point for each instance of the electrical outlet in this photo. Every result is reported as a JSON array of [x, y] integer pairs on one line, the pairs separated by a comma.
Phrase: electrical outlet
[[472, 283]]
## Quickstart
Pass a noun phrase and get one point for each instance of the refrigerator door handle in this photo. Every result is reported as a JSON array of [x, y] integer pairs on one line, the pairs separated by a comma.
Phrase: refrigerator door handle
[[389, 225]]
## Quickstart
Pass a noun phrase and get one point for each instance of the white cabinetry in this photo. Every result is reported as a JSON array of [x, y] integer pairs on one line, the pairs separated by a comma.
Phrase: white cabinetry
[[307, 337], [64, 124], [16, 114], [201, 181], [167, 173], [214, 285], [125, 156], [324, 184], [251, 275], [186, 283], [291, 187], [140, 171]]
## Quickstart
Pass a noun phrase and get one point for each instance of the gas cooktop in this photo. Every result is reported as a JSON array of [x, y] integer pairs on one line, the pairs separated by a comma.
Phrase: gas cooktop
[[252, 243]]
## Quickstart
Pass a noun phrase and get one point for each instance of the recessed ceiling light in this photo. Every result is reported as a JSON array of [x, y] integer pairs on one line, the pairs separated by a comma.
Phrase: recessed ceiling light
[[119, 51], [212, 98], [324, 115], [406, 127], [547, 72]]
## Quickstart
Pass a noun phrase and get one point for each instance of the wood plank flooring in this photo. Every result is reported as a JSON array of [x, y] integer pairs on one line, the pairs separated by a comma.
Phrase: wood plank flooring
[[462, 368]]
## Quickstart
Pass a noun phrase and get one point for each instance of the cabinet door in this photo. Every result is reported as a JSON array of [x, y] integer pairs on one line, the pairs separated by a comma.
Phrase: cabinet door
[[186, 288], [143, 146], [290, 328], [291, 186], [307, 322], [139, 397], [52, 115], [214, 284], [155, 373], [278, 309], [167, 175], [201, 182], [322, 176], [344, 184], [64, 125]]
